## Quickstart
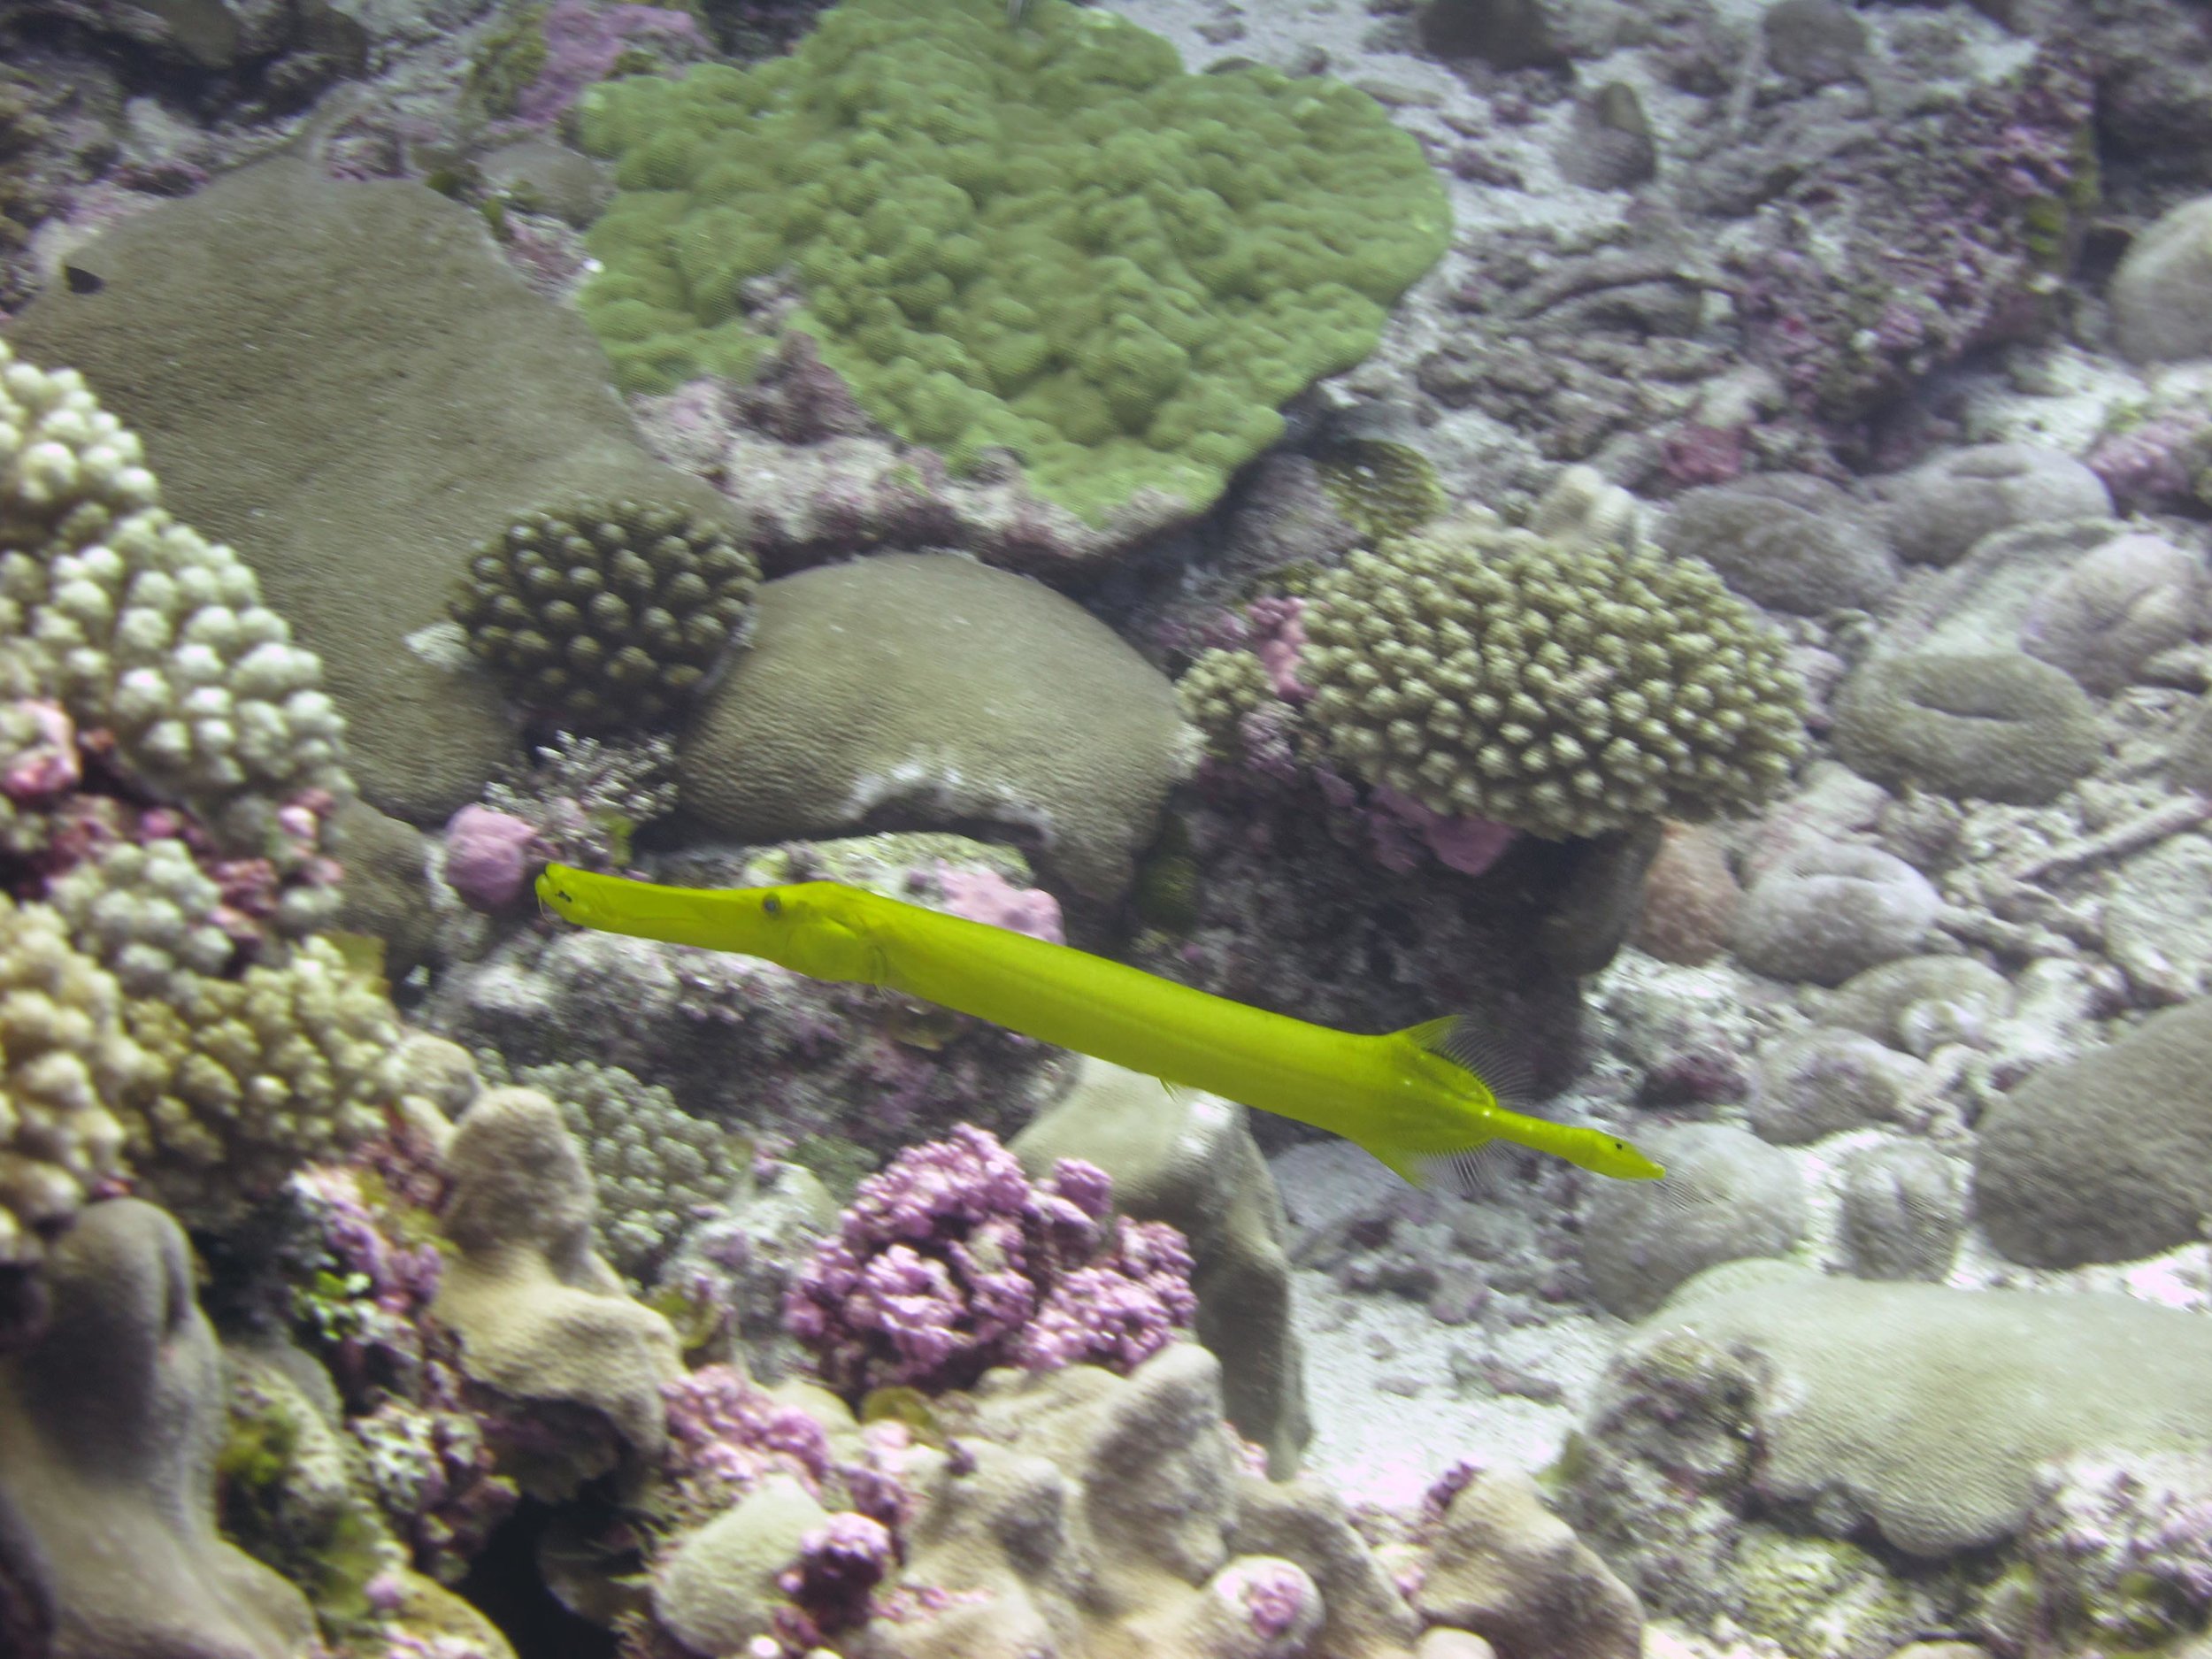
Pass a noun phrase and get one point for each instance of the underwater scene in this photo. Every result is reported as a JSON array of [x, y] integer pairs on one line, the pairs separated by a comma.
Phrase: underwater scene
[[1160, 829]]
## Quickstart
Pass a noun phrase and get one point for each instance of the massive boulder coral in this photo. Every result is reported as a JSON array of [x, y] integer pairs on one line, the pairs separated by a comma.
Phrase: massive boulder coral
[[1999, 726], [1784, 540], [1049, 240], [2108, 1157], [923, 687], [2158, 305], [419, 395], [1914, 1417], [1940, 509], [109, 1427]]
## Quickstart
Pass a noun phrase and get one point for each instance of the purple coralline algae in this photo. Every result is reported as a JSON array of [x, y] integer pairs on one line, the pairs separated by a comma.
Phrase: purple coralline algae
[[488, 857], [952, 1261], [1971, 217], [985, 895], [583, 42], [725, 1434], [840, 1564], [2121, 1548]]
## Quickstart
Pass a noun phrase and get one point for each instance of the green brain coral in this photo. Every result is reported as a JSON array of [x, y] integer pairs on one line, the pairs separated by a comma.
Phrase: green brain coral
[[1049, 238]]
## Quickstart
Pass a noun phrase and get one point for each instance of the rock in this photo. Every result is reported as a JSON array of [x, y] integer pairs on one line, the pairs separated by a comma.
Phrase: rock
[[110, 1422], [1727, 1194], [1190, 1160], [1825, 910], [1505, 1567], [1824, 1082]]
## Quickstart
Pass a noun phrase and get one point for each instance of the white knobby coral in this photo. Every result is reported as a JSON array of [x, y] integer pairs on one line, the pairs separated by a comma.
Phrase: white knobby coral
[[141, 627], [63, 1057]]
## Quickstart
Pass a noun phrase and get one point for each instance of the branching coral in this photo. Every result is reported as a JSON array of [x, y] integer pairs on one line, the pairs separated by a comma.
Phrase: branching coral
[[586, 796], [1563, 687]]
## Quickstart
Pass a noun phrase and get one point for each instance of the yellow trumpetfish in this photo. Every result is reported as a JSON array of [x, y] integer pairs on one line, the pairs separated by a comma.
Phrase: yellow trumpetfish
[[1408, 1097]]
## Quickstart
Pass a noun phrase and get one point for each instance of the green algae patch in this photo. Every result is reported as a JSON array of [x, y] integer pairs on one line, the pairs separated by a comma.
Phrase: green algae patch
[[1048, 239]]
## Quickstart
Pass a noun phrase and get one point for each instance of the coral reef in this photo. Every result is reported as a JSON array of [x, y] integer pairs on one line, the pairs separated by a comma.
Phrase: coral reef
[[654, 1168], [1933, 1441], [836, 1075], [1080, 1512], [543, 1322], [1902, 1210], [149, 914], [608, 613], [2120, 1550], [280, 301], [1885, 1442]]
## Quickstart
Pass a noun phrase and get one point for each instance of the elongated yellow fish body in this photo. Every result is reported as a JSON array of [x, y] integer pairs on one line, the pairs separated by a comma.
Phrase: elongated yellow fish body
[[1397, 1095]]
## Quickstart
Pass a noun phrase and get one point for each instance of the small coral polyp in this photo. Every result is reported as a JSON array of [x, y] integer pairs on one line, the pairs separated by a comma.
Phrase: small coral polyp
[[1049, 239]]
